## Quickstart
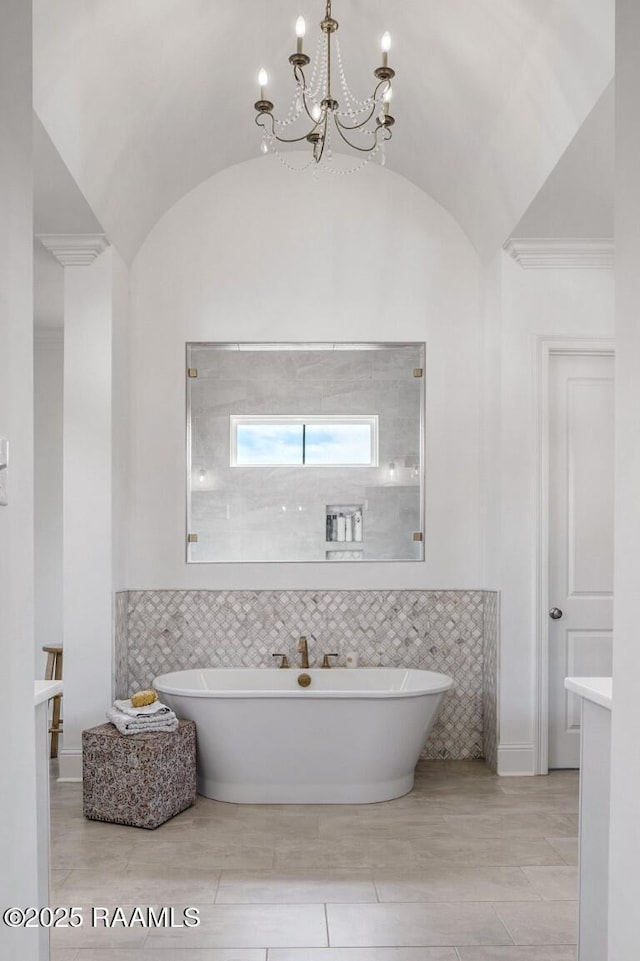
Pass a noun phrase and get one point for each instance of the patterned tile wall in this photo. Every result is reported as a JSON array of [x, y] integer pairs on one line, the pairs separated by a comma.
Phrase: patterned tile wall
[[120, 640], [161, 631], [490, 678]]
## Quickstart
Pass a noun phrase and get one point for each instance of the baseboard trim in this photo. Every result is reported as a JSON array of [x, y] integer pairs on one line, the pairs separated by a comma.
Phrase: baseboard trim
[[516, 760], [70, 765]]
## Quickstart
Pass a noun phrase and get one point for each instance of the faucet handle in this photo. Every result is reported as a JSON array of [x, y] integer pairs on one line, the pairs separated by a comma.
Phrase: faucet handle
[[325, 660], [285, 659]]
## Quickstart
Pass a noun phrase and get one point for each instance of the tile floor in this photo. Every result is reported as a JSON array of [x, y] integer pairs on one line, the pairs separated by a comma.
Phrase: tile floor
[[468, 867]]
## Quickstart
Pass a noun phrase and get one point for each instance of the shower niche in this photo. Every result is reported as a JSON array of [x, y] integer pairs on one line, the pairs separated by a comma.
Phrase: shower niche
[[304, 452]]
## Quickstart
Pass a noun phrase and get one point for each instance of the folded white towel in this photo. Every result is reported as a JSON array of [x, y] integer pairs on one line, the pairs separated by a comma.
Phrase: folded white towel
[[127, 708], [137, 725]]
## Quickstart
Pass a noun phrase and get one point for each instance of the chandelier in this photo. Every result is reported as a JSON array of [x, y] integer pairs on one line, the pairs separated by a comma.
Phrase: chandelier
[[324, 113]]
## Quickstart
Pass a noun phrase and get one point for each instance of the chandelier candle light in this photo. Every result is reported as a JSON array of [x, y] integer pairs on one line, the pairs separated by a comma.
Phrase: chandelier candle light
[[361, 125]]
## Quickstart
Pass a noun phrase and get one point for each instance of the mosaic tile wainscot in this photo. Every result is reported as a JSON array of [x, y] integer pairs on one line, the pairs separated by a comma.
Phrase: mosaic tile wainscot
[[161, 631]]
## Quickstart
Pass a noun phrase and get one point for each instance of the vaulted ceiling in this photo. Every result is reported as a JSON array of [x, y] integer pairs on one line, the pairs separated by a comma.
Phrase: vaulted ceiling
[[143, 100]]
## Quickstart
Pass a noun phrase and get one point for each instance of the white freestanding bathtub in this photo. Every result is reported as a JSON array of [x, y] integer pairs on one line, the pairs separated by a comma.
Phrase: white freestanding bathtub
[[350, 736]]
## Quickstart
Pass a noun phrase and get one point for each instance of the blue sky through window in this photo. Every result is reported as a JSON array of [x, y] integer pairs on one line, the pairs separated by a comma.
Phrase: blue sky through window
[[338, 444], [269, 444], [311, 443]]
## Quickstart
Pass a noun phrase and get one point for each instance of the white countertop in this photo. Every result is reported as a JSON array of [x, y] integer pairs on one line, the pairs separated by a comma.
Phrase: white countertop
[[596, 689], [44, 690]]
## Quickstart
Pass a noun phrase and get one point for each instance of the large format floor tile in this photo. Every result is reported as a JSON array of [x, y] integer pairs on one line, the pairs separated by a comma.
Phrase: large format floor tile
[[472, 802], [512, 826], [567, 848], [248, 926], [498, 852], [172, 954], [554, 783], [409, 824], [449, 883], [138, 883], [554, 884], [539, 953], [399, 925], [543, 922], [457, 870], [362, 954], [295, 887], [99, 935], [217, 853], [294, 853]]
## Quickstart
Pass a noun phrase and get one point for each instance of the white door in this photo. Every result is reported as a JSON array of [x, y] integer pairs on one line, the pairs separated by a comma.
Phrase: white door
[[581, 423]]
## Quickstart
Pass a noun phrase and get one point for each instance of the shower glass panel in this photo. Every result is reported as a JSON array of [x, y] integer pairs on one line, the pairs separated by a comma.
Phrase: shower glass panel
[[305, 452]]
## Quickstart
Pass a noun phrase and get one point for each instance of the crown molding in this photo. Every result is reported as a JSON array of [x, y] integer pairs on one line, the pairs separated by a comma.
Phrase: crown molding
[[48, 336], [570, 253], [74, 250]]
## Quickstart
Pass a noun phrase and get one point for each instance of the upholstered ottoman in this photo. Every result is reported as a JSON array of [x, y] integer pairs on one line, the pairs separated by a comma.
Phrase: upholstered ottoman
[[138, 779]]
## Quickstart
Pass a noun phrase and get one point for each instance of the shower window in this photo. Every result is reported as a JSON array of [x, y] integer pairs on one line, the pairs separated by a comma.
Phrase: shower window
[[332, 441]]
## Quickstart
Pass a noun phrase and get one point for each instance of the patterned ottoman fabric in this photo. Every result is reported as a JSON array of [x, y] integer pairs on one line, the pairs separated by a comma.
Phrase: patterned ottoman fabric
[[138, 779]]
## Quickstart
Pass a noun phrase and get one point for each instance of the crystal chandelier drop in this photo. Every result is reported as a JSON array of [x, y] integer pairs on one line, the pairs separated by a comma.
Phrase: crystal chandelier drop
[[325, 114]]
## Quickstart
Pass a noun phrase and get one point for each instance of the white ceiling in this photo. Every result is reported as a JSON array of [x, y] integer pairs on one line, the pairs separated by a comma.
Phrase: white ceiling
[[146, 99], [58, 205], [578, 198]]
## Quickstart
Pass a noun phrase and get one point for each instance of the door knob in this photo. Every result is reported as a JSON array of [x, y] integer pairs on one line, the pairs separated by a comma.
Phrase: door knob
[[555, 613]]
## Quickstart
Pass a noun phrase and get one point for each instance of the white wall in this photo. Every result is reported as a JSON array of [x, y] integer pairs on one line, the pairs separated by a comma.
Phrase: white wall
[[120, 392], [48, 316], [524, 305], [258, 253], [624, 879], [48, 376], [95, 298], [18, 841]]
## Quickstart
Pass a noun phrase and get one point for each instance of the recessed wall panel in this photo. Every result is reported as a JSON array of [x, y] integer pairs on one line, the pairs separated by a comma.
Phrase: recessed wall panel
[[590, 486]]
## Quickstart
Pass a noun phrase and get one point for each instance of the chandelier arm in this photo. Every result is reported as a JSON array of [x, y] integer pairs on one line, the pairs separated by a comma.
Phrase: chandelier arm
[[357, 126], [301, 79], [261, 121], [272, 133], [365, 149], [290, 139], [383, 83]]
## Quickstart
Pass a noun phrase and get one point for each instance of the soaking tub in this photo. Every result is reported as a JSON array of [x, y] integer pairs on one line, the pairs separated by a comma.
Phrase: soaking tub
[[349, 737]]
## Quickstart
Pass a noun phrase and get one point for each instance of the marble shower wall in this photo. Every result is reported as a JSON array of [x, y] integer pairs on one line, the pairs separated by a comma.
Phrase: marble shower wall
[[446, 631]]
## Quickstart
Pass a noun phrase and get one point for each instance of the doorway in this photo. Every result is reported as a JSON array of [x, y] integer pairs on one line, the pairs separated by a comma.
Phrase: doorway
[[579, 544]]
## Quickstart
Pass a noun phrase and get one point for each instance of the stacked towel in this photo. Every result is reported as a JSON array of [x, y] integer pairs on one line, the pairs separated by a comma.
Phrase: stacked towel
[[137, 720], [148, 710]]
